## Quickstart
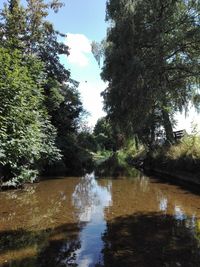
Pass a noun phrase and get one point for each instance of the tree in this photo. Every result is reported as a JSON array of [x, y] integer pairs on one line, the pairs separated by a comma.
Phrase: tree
[[108, 136], [151, 63], [13, 25], [26, 134], [98, 50], [25, 29]]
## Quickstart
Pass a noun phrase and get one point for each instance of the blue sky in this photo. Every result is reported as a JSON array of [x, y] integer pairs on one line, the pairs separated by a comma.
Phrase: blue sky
[[84, 21], [82, 16]]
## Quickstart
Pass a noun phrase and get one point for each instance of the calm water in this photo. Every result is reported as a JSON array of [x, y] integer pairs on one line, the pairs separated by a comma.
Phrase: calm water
[[105, 222]]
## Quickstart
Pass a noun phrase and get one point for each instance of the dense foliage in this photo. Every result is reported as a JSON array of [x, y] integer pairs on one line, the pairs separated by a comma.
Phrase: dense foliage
[[104, 135], [26, 134], [151, 64], [40, 109]]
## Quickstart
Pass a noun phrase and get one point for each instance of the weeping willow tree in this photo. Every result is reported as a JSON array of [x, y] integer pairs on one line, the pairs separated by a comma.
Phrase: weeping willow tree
[[151, 63]]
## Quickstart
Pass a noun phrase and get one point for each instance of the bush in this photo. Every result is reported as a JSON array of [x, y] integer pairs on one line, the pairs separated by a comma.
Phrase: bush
[[188, 147], [183, 156], [26, 134], [116, 163]]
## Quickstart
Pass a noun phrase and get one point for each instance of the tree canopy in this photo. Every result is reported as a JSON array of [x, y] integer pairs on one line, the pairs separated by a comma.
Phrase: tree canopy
[[151, 63], [40, 108]]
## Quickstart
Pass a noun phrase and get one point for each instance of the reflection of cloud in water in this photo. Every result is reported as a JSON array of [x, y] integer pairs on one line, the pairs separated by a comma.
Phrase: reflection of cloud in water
[[179, 213], [163, 204], [90, 199]]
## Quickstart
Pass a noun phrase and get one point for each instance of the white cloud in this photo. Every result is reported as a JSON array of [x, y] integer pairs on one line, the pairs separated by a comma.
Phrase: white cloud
[[80, 48], [90, 94]]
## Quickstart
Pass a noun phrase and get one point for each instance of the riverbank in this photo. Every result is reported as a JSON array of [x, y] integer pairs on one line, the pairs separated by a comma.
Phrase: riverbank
[[180, 176], [180, 161]]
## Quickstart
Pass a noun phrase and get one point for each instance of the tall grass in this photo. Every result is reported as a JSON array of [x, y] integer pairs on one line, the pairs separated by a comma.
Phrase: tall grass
[[189, 146], [182, 156]]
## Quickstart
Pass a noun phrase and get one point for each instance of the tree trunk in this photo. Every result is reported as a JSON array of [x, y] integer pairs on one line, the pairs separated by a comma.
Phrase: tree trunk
[[168, 126], [136, 142]]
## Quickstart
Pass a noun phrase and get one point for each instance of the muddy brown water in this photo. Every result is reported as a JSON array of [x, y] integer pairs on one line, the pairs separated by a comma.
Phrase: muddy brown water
[[87, 222]]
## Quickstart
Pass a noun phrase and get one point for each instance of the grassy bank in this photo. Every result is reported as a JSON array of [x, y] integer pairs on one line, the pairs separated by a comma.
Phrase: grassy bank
[[183, 156]]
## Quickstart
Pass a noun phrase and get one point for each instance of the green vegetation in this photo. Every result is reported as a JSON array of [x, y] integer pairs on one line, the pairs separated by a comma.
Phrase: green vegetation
[[114, 155], [26, 134], [151, 64], [183, 156], [41, 110], [118, 163]]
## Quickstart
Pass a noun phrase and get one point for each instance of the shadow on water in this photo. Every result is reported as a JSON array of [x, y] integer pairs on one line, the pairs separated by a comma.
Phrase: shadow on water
[[186, 186], [151, 239], [141, 240], [88, 222], [49, 247]]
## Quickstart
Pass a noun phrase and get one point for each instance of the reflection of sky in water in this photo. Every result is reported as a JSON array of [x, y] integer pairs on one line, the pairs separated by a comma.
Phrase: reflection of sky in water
[[90, 200], [179, 213], [163, 204]]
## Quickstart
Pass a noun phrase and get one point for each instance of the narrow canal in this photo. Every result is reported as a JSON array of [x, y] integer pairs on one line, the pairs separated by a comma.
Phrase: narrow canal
[[89, 222]]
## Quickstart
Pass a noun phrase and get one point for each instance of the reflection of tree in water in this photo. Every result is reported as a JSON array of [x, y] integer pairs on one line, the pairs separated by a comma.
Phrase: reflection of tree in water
[[55, 247], [19, 201], [85, 194], [43, 239], [30, 206], [89, 195], [90, 199], [151, 240], [61, 252]]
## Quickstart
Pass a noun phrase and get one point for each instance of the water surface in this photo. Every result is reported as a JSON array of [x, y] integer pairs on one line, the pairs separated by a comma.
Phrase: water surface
[[100, 222]]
